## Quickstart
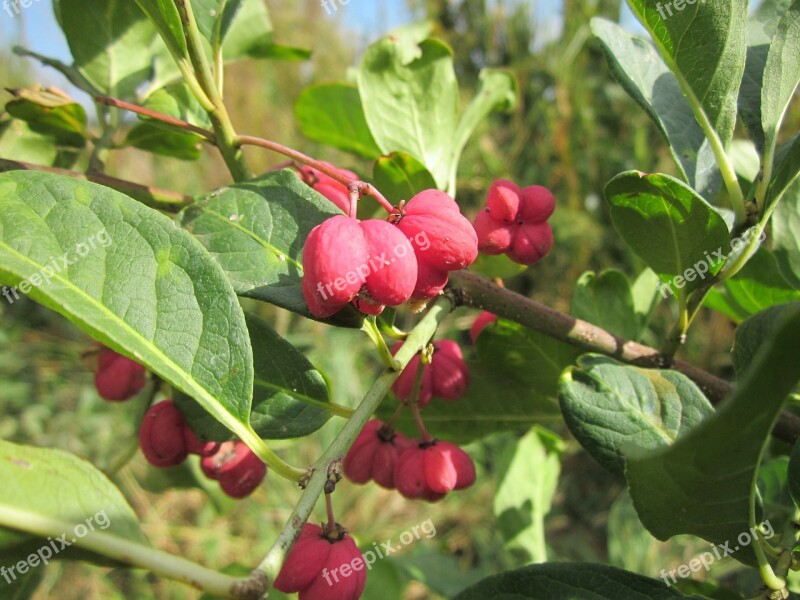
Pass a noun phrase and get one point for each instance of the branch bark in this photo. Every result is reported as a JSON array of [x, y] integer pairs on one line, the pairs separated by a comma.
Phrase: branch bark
[[478, 292]]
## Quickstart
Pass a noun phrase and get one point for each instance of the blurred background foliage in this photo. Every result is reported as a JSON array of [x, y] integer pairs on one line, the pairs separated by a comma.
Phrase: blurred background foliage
[[574, 129]]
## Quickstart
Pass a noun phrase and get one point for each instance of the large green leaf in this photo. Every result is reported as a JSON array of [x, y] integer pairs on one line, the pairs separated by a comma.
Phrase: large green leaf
[[138, 284], [177, 100], [331, 113], [668, 226], [399, 176], [781, 74], [110, 42], [572, 581], [523, 497], [761, 29], [755, 331], [787, 169], [786, 234], [410, 99], [19, 142], [639, 69], [256, 230], [289, 396], [704, 484], [613, 408], [704, 45], [606, 300], [48, 493]]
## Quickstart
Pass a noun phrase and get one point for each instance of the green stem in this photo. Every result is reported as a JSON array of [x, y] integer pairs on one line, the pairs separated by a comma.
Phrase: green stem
[[124, 551], [225, 134], [370, 327], [417, 339], [267, 456]]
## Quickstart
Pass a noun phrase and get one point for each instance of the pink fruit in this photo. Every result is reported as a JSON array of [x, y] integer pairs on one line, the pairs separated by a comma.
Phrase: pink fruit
[[118, 378], [161, 436], [428, 471], [514, 222], [314, 567], [447, 377], [374, 454], [369, 263], [481, 322], [443, 239]]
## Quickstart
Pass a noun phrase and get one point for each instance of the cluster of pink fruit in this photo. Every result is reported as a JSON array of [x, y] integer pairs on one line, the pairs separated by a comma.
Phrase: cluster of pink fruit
[[167, 440], [375, 263]]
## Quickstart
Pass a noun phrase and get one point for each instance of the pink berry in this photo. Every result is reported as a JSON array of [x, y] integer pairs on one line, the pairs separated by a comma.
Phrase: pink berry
[[374, 454], [514, 222], [428, 471], [161, 436], [447, 377], [443, 239], [369, 263], [315, 556], [118, 378]]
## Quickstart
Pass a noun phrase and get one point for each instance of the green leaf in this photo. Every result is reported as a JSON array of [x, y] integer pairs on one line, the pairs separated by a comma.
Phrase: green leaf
[[410, 98], [331, 113], [642, 73], [525, 492], [787, 168], [575, 581], [167, 20], [760, 284], [606, 300], [399, 176], [668, 226], [645, 297], [48, 493], [704, 45], [613, 408], [781, 74], [177, 100], [786, 235], [745, 160], [761, 29], [110, 42], [139, 285], [497, 92], [755, 331], [51, 114], [256, 231], [289, 396], [158, 140], [704, 483]]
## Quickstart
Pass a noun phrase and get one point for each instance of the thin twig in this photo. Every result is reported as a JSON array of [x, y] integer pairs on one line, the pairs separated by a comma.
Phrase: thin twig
[[157, 116], [362, 187]]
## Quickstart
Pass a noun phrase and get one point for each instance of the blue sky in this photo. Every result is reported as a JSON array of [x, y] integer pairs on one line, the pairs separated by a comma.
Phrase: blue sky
[[370, 18]]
